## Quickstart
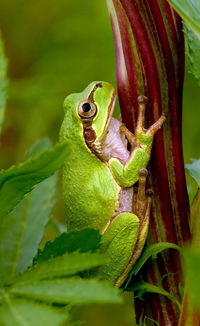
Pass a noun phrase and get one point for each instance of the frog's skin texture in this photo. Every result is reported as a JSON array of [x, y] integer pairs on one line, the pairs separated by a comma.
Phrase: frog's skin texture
[[100, 172]]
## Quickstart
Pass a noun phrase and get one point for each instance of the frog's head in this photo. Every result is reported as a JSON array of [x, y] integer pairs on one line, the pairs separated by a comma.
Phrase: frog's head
[[90, 112]]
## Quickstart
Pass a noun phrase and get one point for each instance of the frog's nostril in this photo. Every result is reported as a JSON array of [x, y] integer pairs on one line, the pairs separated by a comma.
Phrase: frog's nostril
[[99, 85]]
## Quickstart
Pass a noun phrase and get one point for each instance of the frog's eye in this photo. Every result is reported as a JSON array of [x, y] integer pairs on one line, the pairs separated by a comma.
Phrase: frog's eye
[[87, 109]]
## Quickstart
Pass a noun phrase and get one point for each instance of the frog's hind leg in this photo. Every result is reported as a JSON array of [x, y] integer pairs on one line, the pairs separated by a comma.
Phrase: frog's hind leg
[[124, 237], [141, 209], [118, 243]]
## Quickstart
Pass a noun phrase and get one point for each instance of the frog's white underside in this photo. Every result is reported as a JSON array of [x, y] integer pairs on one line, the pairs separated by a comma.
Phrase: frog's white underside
[[115, 145]]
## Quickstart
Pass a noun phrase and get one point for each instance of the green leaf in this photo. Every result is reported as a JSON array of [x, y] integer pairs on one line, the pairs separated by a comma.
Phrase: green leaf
[[194, 170], [195, 220], [18, 312], [3, 82], [191, 268], [38, 147], [192, 42], [149, 251], [84, 241], [73, 291], [68, 264], [57, 226], [20, 179], [189, 10], [22, 230], [144, 287]]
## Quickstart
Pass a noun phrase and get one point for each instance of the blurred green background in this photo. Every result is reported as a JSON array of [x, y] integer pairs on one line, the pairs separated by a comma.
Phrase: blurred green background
[[56, 48]]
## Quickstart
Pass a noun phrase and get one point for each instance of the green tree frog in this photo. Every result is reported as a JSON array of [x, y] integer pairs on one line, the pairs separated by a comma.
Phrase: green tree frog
[[105, 162]]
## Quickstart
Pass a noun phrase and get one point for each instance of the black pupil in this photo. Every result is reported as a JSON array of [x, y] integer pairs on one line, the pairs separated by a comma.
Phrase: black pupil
[[86, 107]]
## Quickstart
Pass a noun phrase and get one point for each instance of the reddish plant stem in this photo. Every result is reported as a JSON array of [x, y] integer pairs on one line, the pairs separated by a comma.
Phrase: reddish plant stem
[[149, 48]]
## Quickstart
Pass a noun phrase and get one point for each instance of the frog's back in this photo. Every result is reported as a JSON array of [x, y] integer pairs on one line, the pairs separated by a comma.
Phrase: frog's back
[[90, 191]]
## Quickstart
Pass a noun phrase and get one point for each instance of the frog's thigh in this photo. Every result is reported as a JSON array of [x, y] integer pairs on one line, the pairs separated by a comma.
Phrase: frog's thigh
[[118, 242]]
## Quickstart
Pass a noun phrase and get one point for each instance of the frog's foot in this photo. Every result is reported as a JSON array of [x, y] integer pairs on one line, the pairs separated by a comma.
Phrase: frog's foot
[[142, 136], [142, 198], [129, 135], [142, 101], [141, 208]]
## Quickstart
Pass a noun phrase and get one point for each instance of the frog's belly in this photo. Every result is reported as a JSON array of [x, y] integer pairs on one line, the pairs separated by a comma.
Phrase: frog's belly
[[125, 200]]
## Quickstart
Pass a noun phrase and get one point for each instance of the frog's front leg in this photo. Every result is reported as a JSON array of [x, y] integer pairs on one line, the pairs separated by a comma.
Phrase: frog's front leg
[[141, 144], [123, 239]]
